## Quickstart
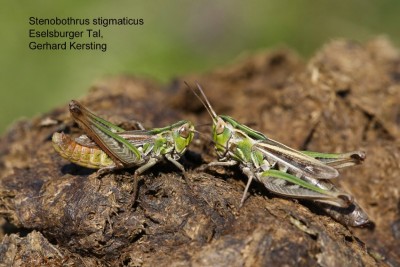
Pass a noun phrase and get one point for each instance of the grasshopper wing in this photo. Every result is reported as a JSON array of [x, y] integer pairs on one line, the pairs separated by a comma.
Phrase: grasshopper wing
[[338, 160], [295, 160], [105, 135]]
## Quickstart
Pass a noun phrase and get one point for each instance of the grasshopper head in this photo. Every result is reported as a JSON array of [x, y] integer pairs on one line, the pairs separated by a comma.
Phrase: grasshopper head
[[182, 136], [221, 129], [222, 133]]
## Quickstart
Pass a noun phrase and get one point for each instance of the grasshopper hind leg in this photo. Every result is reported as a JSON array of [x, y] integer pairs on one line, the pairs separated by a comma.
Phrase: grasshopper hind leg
[[288, 185], [353, 215]]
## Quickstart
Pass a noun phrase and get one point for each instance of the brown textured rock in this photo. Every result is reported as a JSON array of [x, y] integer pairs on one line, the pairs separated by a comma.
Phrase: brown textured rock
[[346, 98]]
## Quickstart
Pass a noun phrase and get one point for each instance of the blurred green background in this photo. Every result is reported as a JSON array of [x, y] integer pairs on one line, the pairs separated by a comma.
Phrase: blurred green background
[[177, 37]]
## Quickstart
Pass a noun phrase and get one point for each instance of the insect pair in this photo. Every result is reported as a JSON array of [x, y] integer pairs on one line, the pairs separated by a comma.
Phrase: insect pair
[[281, 169]]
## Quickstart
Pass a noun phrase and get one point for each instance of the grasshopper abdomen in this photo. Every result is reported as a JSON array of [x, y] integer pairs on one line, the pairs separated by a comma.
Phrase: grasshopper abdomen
[[89, 157]]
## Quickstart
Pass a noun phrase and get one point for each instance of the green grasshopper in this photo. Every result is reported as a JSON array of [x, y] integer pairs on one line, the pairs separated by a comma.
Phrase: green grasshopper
[[283, 170], [115, 148]]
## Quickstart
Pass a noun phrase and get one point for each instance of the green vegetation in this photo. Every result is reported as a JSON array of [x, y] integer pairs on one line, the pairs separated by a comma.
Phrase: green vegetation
[[177, 37]]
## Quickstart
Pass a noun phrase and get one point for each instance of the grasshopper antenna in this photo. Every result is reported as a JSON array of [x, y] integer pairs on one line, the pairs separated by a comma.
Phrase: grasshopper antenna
[[203, 99]]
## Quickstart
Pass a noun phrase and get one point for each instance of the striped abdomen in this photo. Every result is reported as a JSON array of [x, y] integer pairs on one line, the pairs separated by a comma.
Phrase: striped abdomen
[[90, 157]]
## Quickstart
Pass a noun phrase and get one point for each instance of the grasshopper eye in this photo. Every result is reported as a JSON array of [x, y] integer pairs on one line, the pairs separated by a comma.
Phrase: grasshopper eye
[[184, 131], [219, 126]]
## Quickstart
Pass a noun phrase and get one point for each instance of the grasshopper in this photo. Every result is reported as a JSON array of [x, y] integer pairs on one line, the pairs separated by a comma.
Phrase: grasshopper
[[284, 170], [114, 148]]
